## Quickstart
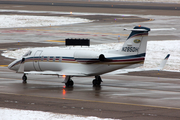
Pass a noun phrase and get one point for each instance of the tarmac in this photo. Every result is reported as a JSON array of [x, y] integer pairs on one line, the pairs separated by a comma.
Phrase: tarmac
[[139, 95]]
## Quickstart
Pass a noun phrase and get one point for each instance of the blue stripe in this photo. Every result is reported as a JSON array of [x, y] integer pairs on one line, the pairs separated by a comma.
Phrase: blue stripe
[[67, 57], [128, 57]]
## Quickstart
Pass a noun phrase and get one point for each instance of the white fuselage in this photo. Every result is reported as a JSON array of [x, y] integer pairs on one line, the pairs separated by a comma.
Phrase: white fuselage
[[73, 62], [80, 62]]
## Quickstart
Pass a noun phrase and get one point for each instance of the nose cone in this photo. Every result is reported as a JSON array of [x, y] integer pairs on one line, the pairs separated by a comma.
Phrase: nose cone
[[14, 65]]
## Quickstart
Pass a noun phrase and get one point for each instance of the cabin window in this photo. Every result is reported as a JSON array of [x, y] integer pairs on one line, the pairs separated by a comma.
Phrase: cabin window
[[51, 58], [56, 59], [45, 58]]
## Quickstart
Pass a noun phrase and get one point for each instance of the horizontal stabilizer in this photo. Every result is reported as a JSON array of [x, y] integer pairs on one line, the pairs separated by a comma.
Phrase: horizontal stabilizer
[[163, 29], [136, 29]]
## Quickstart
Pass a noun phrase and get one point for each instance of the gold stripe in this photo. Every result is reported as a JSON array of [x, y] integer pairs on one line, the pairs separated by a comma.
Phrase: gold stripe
[[69, 61], [3, 65]]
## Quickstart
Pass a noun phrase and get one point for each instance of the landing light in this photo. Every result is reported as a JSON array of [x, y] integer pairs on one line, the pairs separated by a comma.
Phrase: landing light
[[64, 76], [64, 92]]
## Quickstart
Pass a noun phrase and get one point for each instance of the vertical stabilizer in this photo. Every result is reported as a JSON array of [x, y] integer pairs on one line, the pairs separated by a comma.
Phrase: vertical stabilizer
[[136, 42]]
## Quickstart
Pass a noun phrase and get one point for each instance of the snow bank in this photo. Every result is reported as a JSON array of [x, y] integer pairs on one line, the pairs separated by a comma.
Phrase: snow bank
[[10, 21], [14, 114], [157, 50]]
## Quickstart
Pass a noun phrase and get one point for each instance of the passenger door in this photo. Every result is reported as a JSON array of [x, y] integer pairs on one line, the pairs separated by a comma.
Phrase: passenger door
[[36, 60]]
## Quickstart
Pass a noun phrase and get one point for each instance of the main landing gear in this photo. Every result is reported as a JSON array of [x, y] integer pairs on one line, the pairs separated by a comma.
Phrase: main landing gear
[[24, 78], [97, 81], [68, 81]]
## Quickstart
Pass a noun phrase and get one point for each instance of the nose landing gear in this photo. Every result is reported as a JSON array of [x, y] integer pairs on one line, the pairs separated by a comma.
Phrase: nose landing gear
[[24, 78]]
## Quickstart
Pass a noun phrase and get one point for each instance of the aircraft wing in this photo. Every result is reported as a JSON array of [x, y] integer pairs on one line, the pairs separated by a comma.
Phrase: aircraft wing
[[160, 67], [61, 73]]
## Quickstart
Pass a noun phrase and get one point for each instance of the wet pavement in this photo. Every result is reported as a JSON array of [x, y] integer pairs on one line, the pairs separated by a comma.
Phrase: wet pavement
[[137, 96], [153, 91]]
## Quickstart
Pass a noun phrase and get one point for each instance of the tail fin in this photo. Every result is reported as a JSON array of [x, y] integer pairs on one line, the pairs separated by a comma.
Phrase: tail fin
[[136, 42]]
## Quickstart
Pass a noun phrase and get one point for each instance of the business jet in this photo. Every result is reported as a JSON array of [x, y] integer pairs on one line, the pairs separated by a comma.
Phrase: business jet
[[81, 63]]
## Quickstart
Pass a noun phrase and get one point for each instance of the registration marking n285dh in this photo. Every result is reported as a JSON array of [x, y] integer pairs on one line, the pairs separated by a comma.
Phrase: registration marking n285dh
[[130, 49]]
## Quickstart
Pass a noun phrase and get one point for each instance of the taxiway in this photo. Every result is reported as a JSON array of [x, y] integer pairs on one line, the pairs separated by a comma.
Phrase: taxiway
[[120, 96]]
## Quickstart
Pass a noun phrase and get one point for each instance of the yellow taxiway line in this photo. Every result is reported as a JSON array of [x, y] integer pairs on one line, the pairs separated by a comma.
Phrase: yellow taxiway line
[[3, 65], [55, 41], [94, 101]]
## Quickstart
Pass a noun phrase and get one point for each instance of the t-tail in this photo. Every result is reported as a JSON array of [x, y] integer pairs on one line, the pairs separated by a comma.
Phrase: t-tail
[[136, 42]]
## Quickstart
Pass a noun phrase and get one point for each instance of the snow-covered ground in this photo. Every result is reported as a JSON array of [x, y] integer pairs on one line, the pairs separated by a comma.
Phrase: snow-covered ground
[[15, 114], [10, 21]]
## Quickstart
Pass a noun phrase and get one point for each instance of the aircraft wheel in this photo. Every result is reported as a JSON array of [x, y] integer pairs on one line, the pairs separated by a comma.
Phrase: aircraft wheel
[[70, 83], [24, 78], [96, 83]]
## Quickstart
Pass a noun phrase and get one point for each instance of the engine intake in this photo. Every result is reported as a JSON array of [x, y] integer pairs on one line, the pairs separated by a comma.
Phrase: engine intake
[[102, 57], [88, 56]]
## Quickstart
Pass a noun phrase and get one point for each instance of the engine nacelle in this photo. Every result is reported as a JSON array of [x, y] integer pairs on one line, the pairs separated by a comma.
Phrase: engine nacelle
[[88, 56]]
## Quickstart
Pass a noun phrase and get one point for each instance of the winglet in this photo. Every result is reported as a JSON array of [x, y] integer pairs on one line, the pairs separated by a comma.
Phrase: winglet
[[163, 63], [21, 67]]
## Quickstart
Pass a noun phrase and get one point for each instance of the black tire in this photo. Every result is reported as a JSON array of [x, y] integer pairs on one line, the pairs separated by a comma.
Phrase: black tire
[[96, 82], [70, 83], [24, 78], [67, 85]]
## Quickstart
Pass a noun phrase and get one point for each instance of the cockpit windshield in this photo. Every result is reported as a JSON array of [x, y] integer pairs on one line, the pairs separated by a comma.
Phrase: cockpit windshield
[[27, 53]]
